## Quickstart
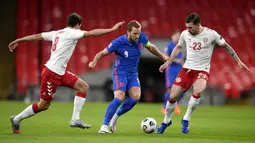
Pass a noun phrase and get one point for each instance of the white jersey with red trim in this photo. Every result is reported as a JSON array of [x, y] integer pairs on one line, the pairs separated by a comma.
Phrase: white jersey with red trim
[[200, 48], [63, 44]]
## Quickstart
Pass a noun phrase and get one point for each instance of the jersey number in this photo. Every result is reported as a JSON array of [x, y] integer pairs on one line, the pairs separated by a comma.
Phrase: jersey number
[[201, 75], [196, 46], [55, 44], [126, 54]]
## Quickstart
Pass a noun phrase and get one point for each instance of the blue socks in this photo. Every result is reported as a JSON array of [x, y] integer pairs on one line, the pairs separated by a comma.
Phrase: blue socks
[[166, 97], [127, 105], [113, 106]]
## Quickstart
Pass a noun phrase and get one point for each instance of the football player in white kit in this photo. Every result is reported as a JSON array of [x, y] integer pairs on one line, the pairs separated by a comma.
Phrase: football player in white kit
[[55, 74], [200, 42]]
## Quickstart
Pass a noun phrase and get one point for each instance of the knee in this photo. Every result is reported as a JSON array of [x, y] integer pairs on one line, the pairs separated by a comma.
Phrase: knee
[[197, 92], [119, 96], [136, 96], [173, 96], [43, 106], [84, 88]]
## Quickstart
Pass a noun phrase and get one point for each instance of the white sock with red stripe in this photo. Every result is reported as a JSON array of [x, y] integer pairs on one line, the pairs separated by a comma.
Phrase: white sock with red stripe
[[79, 101], [28, 112], [170, 106], [193, 102]]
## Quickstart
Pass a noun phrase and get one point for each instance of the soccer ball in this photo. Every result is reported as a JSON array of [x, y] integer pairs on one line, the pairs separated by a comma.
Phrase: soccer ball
[[148, 125]]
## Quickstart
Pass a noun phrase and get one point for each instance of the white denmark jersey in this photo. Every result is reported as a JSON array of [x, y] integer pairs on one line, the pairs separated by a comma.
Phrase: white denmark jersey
[[200, 48], [63, 44]]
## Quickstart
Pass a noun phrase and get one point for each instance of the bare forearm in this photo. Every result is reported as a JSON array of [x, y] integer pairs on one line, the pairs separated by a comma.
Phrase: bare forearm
[[179, 61], [98, 32], [155, 51], [34, 37], [231, 52], [98, 57], [174, 53]]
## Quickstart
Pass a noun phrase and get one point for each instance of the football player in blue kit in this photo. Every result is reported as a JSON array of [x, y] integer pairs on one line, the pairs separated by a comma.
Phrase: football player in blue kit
[[128, 49]]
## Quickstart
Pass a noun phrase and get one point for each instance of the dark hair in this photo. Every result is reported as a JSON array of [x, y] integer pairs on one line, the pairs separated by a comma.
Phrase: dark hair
[[74, 19], [133, 23], [194, 18]]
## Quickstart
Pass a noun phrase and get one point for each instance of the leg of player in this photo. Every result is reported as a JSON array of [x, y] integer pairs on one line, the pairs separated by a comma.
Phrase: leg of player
[[127, 105], [119, 96], [79, 100], [28, 112], [47, 91], [166, 97], [198, 87], [170, 106], [177, 110]]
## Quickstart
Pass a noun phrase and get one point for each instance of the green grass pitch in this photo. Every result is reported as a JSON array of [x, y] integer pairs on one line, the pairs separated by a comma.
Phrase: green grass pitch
[[209, 124]]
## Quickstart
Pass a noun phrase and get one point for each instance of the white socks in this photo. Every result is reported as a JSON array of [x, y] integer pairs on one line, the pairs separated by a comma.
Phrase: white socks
[[115, 117], [28, 112], [193, 102], [78, 104], [169, 111]]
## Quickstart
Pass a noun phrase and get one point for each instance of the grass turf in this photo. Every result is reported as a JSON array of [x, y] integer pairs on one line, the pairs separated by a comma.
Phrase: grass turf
[[212, 124]]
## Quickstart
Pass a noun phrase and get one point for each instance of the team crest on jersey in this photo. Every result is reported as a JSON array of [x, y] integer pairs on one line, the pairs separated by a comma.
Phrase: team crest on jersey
[[122, 84], [205, 40], [178, 79], [140, 46]]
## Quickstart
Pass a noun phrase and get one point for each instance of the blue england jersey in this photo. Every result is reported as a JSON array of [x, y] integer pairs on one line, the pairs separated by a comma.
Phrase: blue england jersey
[[125, 68]]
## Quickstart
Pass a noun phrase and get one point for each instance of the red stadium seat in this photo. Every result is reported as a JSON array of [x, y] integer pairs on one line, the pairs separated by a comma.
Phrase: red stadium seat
[[232, 19]]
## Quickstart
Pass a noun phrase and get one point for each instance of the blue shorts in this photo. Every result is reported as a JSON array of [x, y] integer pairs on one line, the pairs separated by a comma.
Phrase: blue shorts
[[125, 82], [170, 75]]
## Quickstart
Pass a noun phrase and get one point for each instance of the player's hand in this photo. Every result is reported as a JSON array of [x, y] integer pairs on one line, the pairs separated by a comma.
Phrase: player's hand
[[164, 66], [92, 64], [13, 45], [242, 65], [118, 25], [165, 58]]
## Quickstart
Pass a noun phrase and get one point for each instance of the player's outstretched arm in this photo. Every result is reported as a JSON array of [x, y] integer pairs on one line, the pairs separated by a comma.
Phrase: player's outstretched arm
[[179, 61], [15, 43], [155, 51], [176, 60], [97, 32], [233, 54], [174, 53], [98, 57]]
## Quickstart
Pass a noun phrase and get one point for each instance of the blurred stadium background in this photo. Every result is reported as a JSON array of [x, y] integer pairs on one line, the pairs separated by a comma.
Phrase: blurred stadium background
[[228, 84], [20, 74]]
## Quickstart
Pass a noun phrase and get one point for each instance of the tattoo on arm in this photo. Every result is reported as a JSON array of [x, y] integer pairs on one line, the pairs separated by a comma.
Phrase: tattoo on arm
[[231, 51]]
